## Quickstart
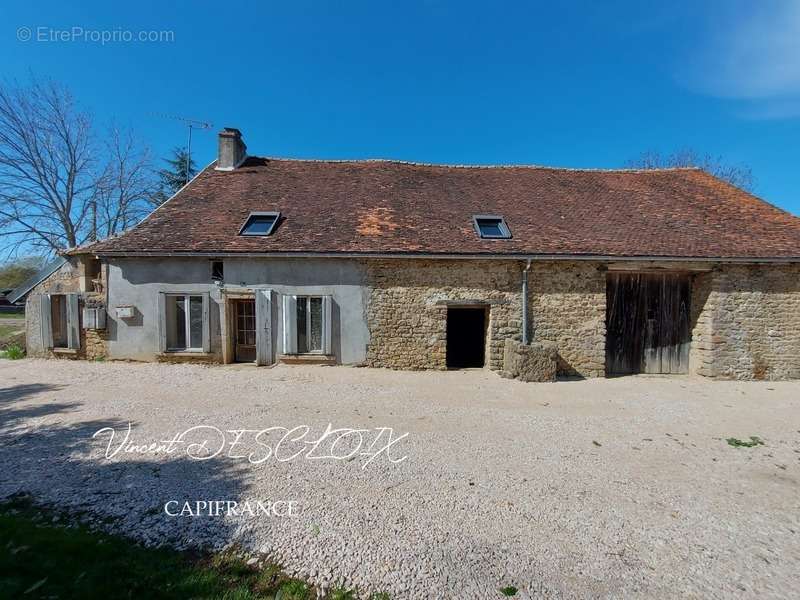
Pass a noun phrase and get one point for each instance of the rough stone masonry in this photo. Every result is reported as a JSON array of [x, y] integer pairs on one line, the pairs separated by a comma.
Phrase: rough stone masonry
[[407, 310], [745, 319]]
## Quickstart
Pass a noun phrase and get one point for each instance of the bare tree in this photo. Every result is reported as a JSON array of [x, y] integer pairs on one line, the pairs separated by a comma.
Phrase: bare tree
[[60, 187], [739, 175], [126, 188]]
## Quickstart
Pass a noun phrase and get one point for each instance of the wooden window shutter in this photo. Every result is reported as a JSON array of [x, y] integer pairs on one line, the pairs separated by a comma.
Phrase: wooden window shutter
[[289, 324], [327, 325], [73, 322], [263, 327], [206, 322], [162, 322], [46, 323]]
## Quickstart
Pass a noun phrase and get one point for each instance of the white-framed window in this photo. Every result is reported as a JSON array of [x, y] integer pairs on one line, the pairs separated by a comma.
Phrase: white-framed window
[[307, 324], [183, 322]]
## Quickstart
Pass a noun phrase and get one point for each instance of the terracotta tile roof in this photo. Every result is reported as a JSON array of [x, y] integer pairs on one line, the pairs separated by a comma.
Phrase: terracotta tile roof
[[397, 207]]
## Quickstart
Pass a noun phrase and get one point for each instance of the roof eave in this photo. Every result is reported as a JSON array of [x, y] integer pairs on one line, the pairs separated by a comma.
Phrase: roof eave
[[26, 286], [452, 256]]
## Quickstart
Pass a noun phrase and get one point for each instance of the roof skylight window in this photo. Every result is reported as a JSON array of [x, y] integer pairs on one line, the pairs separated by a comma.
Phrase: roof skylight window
[[491, 227], [260, 223]]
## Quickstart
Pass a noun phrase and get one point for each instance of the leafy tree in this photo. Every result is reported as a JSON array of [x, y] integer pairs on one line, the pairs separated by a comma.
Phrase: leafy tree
[[740, 176], [14, 273], [175, 175]]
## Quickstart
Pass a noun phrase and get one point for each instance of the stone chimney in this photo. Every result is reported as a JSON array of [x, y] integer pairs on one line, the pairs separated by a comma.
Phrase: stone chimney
[[232, 150]]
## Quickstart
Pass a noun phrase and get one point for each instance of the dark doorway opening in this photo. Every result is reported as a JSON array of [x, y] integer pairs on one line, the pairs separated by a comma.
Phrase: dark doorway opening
[[466, 337], [647, 323]]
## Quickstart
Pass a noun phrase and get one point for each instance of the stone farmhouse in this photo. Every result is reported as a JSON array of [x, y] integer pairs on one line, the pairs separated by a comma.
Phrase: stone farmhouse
[[527, 271]]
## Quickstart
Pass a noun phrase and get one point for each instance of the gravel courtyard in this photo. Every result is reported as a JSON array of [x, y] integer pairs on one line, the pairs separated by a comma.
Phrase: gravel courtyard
[[608, 488]]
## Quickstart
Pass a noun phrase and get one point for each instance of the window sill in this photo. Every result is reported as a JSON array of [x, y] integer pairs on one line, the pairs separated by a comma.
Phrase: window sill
[[64, 350], [169, 353], [307, 359]]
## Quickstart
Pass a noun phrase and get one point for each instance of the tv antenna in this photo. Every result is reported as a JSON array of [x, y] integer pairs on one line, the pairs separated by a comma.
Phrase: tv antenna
[[191, 124]]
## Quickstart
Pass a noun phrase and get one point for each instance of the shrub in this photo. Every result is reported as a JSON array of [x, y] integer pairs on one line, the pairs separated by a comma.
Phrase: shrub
[[14, 352], [754, 441], [510, 590]]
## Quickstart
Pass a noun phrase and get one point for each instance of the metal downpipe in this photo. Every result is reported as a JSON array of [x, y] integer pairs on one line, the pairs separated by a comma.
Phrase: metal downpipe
[[525, 339]]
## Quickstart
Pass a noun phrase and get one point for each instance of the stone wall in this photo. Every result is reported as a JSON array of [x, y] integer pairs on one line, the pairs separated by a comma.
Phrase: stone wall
[[407, 308], [701, 358], [567, 303], [745, 320], [749, 324], [94, 344]]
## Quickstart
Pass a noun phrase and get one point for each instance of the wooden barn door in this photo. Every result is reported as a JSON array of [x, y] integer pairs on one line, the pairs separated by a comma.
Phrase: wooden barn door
[[647, 320]]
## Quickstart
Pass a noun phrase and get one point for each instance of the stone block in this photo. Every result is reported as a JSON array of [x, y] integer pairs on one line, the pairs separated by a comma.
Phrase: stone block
[[535, 362]]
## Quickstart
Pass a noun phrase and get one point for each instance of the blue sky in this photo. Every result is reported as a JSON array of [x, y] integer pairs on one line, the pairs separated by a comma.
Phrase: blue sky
[[586, 84]]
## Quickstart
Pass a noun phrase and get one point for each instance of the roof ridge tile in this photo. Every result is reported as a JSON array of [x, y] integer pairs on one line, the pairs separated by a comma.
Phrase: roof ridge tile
[[474, 166]]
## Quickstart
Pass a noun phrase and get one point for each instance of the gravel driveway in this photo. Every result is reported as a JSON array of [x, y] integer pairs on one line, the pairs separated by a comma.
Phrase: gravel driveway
[[617, 488]]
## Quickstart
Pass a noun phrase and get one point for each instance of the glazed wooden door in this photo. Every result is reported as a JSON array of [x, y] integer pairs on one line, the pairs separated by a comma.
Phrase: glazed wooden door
[[245, 331]]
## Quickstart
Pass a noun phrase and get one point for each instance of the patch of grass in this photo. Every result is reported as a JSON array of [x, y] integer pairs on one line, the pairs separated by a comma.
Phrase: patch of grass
[[509, 591], [7, 330], [14, 315], [39, 559], [12, 337], [268, 580], [341, 593], [230, 564], [14, 352], [380, 596], [294, 589], [754, 441]]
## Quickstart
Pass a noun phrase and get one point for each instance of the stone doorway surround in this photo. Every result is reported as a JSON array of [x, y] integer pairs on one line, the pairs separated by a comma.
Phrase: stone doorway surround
[[495, 325], [467, 332]]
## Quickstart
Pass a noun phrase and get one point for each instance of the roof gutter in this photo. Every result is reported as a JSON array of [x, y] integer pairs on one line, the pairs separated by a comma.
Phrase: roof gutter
[[409, 255]]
